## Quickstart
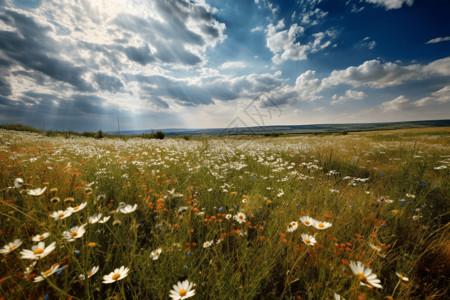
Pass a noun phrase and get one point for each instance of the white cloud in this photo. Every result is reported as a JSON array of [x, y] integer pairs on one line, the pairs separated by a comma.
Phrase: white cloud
[[440, 96], [438, 40], [391, 4], [233, 65], [399, 103], [375, 74], [349, 95], [256, 29], [283, 43]]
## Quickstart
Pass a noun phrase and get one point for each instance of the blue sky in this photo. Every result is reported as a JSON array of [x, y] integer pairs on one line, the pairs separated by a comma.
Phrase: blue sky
[[80, 65]]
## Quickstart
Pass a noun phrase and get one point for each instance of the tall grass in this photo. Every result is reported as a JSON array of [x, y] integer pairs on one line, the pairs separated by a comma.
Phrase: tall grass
[[373, 191]]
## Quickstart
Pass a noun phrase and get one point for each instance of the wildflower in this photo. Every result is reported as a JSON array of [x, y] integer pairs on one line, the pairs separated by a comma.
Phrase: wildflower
[[365, 275], [402, 277], [37, 192], [77, 208], [40, 237], [74, 233], [240, 218], [116, 275], [228, 216], [11, 247], [292, 226], [90, 273], [127, 209], [61, 214], [18, 182], [308, 239], [38, 251], [338, 297], [92, 244], [155, 254], [95, 218], [308, 221], [29, 269], [208, 244], [321, 225], [378, 249], [55, 200], [105, 219], [47, 273], [182, 290]]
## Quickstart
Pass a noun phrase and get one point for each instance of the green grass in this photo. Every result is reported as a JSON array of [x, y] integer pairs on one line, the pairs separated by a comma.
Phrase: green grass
[[280, 179]]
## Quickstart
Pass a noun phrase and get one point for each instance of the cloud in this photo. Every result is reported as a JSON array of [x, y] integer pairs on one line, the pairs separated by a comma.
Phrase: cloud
[[108, 83], [441, 96], [256, 29], [31, 46], [399, 103], [284, 44], [391, 4], [438, 40], [349, 95], [375, 74], [233, 65]]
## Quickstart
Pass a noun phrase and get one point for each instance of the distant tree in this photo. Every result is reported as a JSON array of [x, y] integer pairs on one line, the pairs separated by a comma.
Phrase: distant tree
[[99, 135], [160, 135]]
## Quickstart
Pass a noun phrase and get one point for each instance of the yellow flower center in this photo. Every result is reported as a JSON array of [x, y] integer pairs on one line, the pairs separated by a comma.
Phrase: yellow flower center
[[307, 222], [76, 208], [75, 233], [240, 217], [116, 276], [41, 237], [91, 244], [307, 241], [61, 214], [47, 272], [362, 277], [321, 225], [38, 251], [90, 274], [12, 247], [182, 292]]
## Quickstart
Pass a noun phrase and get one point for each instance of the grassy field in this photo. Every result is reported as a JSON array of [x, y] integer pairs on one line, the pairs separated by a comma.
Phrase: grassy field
[[226, 214]]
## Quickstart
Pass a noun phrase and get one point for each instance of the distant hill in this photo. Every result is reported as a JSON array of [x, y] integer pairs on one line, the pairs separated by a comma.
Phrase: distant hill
[[293, 129]]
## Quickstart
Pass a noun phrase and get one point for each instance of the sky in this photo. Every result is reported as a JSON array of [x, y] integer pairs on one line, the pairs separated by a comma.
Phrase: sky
[[89, 65]]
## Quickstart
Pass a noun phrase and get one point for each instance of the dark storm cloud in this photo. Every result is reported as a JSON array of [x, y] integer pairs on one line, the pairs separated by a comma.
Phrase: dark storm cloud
[[108, 83], [32, 48]]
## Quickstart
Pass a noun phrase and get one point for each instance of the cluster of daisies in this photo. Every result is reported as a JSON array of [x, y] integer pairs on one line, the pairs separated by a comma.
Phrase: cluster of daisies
[[308, 221]]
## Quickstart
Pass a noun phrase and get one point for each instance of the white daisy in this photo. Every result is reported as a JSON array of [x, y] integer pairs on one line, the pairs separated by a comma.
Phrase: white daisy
[[182, 290], [402, 277], [155, 254], [116, 275], [308, 221], [74, 233], [308, 239], [47, 273], [321, 225], [18, 182], [105, 219], [95, 218], [29, 269], [38, 251], [37, 192], [61, 214], [90, 273], [208, 244], [127, 209], [240, 218], [228, 216], [292, 226], [365, 275], [77, 208], [40, 237], [11, 247]]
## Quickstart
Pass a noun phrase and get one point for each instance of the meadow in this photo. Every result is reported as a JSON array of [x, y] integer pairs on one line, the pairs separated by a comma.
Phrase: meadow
[[355, 216]]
